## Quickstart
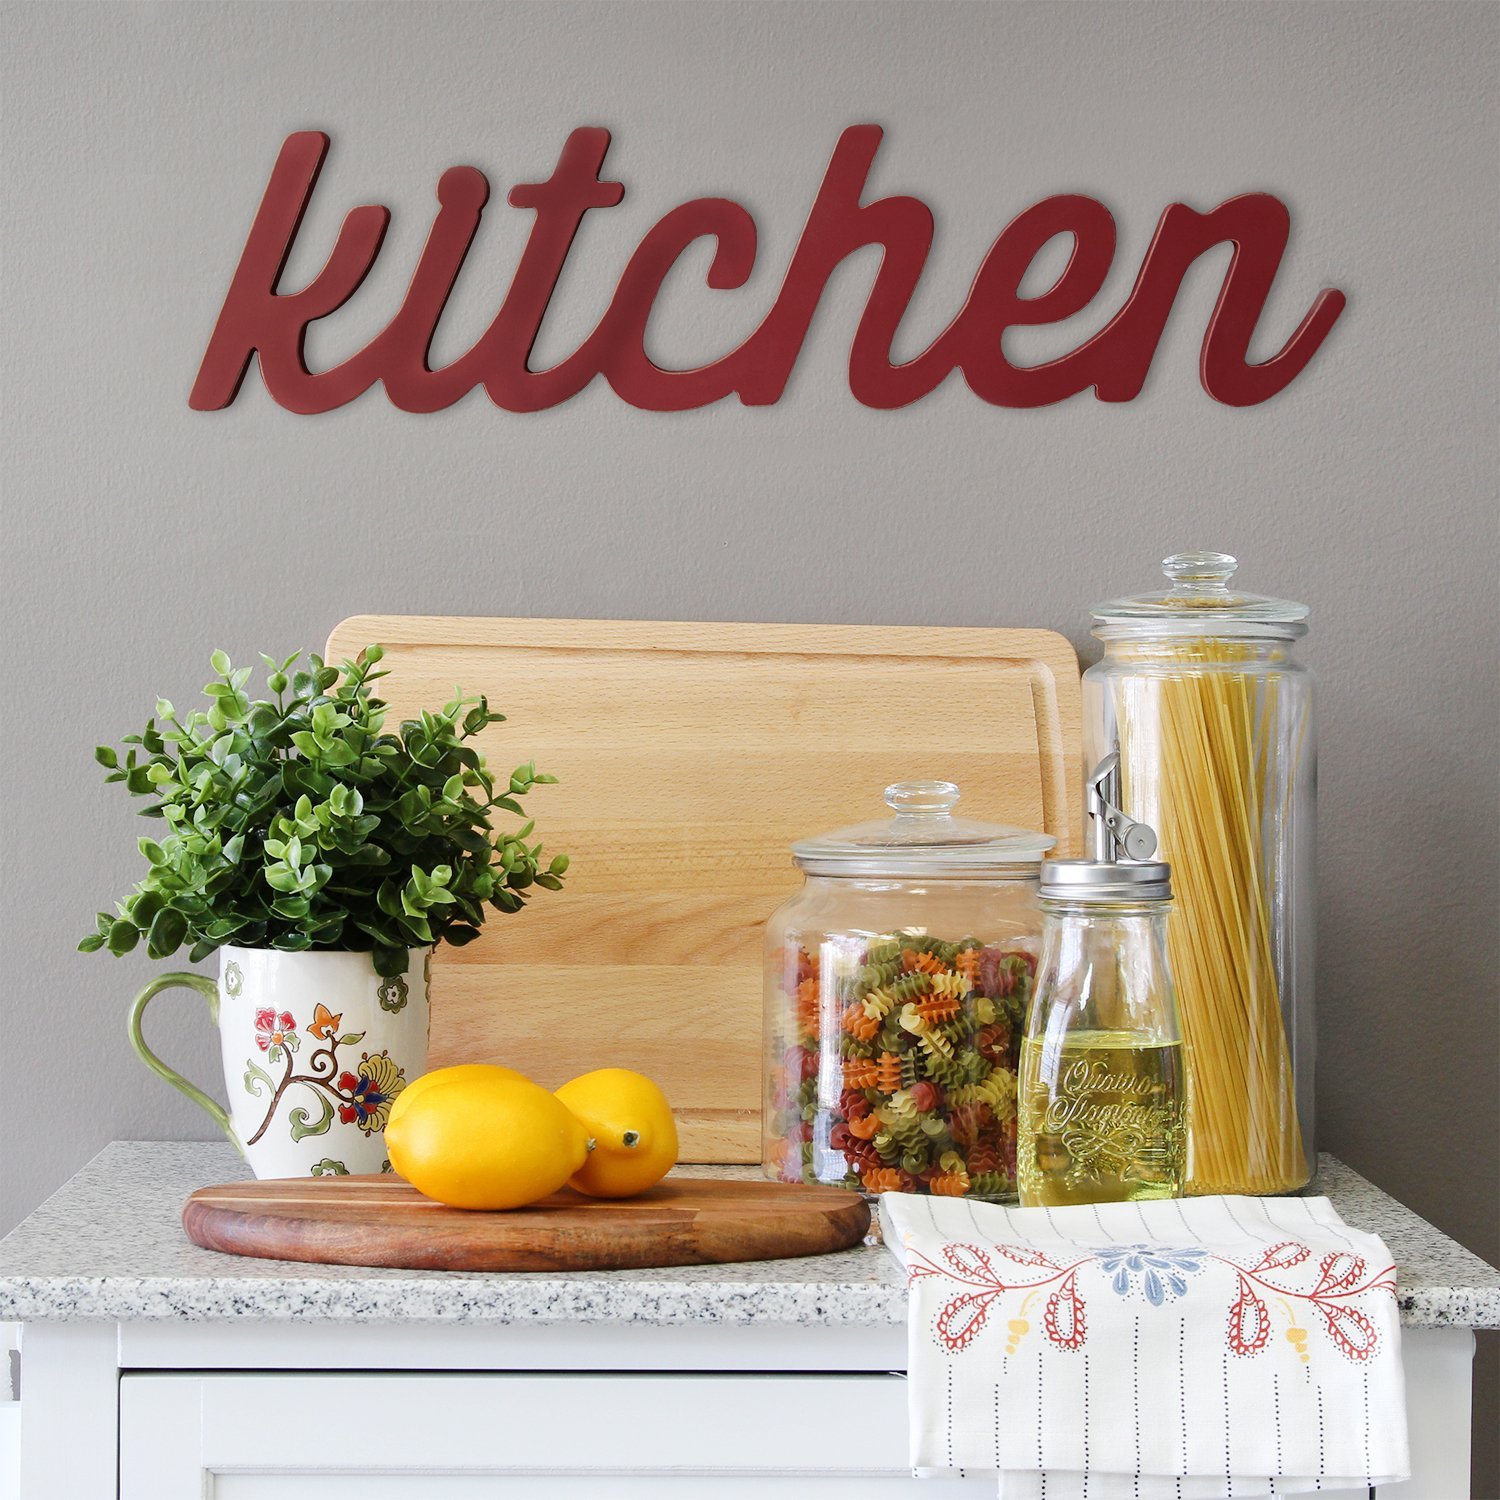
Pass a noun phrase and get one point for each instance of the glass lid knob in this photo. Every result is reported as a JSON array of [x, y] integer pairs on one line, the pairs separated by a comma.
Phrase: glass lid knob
[[923, 799], [1198, 571]]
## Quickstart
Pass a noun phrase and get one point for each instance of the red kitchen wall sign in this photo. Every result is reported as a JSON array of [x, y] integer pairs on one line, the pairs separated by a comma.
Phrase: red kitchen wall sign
[[258, 319]]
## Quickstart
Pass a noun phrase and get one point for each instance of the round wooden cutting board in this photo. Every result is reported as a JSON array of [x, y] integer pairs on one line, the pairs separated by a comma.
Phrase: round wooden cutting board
[[383, 1221]]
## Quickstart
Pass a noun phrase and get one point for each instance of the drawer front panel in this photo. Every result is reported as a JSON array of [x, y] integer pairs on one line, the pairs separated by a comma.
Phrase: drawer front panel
[[261, 1436], [287, 1436]]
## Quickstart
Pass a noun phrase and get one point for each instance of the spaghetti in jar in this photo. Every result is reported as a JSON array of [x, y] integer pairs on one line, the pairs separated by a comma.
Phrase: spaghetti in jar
[[1213, 720]]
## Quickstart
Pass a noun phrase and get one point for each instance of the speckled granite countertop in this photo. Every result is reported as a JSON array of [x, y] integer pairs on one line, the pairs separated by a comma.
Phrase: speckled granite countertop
[[109, 1244]]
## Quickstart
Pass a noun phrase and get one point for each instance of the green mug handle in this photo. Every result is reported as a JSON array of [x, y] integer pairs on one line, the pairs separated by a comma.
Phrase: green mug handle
[[210, 991]]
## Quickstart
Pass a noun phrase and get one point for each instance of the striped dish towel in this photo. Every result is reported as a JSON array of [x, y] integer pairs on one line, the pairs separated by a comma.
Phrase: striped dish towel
[[1176, 1350]]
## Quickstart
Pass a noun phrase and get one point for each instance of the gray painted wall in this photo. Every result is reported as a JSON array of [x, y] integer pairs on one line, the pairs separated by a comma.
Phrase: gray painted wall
[[139, 534]]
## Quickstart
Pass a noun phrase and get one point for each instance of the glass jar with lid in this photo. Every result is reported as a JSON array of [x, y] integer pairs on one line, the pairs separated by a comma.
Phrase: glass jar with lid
[[897, 983], [1212, 716]]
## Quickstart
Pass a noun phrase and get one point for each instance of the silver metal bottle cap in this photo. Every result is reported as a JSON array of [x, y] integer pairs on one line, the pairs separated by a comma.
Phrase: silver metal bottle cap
[[1105, 880], [1122, 868]]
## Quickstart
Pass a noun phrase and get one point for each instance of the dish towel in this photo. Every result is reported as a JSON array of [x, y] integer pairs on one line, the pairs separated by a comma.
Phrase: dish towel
[[1175, 1350]]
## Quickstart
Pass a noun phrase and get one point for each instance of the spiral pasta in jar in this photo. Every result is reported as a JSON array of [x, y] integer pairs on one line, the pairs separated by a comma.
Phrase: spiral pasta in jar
[[897, 984]]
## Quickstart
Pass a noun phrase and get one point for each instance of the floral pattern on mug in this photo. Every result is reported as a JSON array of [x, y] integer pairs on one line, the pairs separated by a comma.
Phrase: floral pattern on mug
[[361, 1096], [273, 1032], [371, 1092], [392, 993], [325, 1024]]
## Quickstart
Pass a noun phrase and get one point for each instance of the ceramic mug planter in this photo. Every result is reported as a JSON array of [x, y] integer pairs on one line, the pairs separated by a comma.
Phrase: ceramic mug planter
[[316, 1046]]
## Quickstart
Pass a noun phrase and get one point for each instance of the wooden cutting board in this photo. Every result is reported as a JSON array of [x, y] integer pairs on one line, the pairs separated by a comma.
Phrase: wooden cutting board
[[689, 757], [382, 1221]]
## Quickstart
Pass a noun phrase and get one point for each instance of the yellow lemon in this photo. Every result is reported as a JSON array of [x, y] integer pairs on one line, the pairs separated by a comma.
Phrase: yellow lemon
[[634, 1134], [490, 1139], [419, 1085]]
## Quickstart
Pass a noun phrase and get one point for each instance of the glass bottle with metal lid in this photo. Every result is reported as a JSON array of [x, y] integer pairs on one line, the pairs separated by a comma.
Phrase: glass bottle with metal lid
[[1102, 1094], [897, 982], [1213, 719]]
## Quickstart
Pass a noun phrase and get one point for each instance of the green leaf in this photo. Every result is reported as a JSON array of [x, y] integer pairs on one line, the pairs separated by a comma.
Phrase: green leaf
[[106, 757], [123, 936], [142, 907], [220, 663], [350, 1039], [389, 960], [257, 1075], [165, 935], [91, 944], [419, 928]]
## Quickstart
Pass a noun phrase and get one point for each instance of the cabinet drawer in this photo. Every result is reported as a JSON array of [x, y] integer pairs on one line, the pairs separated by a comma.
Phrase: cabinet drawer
[[264, 1436]]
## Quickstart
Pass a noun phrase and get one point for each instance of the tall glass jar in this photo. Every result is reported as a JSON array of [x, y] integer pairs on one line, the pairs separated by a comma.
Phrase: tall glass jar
[[1213, 719], [897, 983]]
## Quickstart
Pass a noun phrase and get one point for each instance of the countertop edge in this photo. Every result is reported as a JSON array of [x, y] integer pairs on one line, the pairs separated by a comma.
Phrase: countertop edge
[[422, 1301]]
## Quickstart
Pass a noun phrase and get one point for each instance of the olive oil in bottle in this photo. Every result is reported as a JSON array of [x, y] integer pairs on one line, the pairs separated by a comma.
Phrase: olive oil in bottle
[[1102, 1097], [1101, 1118]]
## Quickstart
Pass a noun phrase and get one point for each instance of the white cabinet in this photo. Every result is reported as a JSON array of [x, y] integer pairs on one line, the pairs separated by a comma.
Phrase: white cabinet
[[206, 1410], [279, 1436]]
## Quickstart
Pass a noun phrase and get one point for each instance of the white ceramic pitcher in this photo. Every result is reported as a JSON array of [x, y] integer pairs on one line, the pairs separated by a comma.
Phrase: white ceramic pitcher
[[316, 1046]]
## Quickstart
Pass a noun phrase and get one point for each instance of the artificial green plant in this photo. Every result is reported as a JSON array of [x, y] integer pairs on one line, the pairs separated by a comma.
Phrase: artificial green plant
[[300, 822]]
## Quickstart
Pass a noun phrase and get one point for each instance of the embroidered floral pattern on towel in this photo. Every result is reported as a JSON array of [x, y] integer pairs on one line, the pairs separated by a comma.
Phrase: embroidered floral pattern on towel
[[1160, 1273]]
